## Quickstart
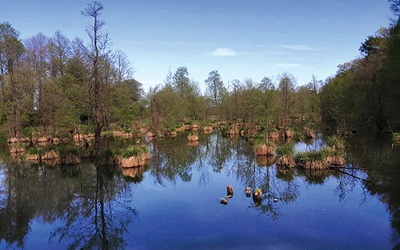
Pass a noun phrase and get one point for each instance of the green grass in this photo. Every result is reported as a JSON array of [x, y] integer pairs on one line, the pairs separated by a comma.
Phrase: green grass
[[335, 142], [319, 155], [286, 149], [69, 150], [134, 150], [311, 156], [35, 150]]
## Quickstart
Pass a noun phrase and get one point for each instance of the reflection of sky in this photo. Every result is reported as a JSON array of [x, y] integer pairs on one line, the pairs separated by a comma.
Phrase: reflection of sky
[[188, 215], [185, 215], [313, 146]]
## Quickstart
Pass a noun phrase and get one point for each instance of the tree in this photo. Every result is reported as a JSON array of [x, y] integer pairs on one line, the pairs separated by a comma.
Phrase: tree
[[38, 59], [286, 88], [60, 52], [11, 53], [181, 82], [268, 89], [395, 7], [98, 54], [123, 71], [215, 89], [187, 90]]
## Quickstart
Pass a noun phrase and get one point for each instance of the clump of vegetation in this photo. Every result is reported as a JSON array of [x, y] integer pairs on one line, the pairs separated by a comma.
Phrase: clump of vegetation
[[285, 155], [262, 147], [335, 142], [70, 155], [134, 156], [320, 159], [35, 151], [193, 136], [310, 156], [286, 149], [312, 159], [135, 150]]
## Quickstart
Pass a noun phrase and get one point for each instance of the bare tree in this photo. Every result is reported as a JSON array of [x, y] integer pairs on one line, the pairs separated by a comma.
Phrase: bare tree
[[98, 55]]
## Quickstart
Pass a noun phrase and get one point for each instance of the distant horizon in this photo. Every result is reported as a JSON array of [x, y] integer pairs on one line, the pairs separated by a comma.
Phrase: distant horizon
[[240, 40]]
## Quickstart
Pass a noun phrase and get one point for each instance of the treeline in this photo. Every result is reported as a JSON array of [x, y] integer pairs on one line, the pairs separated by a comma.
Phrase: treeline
[[365, 92], [53, 85]]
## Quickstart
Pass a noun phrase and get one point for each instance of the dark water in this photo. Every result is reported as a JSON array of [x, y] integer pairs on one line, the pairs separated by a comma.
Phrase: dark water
[[174, 202]]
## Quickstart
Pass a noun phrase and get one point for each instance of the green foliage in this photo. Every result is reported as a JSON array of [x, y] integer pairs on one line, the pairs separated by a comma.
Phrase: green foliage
[[135, 150], [286, 149], [36, 150], [335, 142], [69, 149], [308, 156], [106, 156]]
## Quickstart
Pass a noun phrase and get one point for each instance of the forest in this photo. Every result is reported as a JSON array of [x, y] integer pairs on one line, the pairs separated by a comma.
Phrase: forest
[[59, 86]]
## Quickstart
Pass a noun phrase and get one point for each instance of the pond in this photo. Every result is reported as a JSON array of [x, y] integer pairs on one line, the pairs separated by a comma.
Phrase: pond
[[174, 202]]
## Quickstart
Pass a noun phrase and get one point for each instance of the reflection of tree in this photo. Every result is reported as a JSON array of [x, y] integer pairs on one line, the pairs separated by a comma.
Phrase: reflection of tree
[[16, 209], [315, 176], [221, 151], [83, 195], [94, 218], [380, 159], [172, 158]]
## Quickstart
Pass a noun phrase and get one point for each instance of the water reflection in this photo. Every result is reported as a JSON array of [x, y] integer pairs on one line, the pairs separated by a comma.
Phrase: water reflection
[[82, 197], [380, 159], [92, 207]]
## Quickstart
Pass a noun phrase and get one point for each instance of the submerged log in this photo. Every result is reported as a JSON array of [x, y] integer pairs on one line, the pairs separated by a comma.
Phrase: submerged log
[[229, 190], [224, 201], [248, 191], [257, 197]]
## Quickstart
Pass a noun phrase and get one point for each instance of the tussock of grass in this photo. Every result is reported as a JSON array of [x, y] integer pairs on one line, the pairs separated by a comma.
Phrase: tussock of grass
[[335, 142], [286, 149], [134, 150], [35, 151], [69, 150]]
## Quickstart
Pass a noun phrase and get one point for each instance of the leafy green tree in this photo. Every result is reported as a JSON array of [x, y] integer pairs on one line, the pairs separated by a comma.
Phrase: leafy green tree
[[60, 52], [268, 91], [215, 89], [286, 88], [11, 53]]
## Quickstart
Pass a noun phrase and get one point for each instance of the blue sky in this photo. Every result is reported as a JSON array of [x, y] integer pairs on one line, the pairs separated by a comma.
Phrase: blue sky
[[239, 38]]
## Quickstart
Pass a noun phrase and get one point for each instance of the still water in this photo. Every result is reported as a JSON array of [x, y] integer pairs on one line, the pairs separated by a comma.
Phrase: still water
[[174, 202]]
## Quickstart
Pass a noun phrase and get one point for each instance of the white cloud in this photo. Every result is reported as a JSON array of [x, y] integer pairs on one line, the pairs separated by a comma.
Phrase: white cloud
[[223, 52], [298, 47]]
